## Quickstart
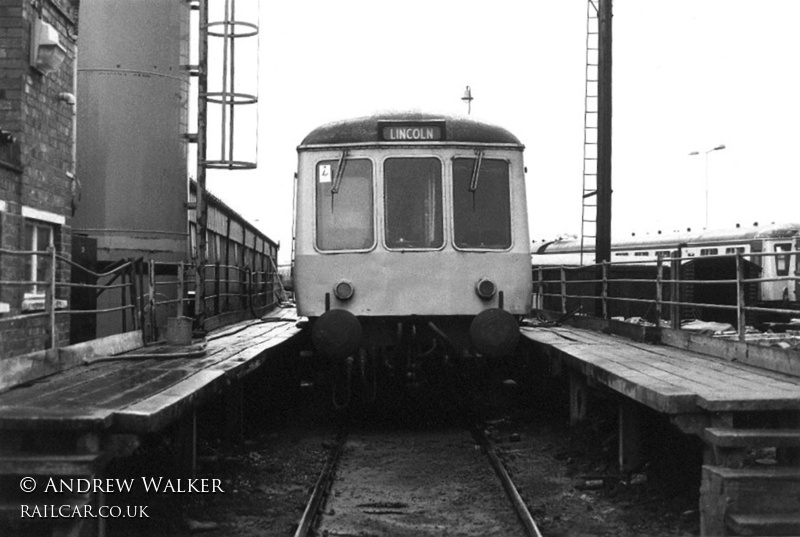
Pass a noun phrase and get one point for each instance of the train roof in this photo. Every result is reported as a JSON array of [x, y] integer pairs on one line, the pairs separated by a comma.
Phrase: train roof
[[688, 238], [370, 130]]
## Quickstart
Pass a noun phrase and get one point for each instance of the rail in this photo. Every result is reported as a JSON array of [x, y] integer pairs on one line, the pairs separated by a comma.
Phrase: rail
[[129, 294], [666, 291]]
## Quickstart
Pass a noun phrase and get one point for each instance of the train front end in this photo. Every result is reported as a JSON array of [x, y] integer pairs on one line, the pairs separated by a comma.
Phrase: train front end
[[412, 241]]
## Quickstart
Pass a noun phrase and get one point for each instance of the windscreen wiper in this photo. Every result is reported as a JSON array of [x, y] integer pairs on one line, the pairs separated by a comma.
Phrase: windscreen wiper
[[473, 184], [337, 181]]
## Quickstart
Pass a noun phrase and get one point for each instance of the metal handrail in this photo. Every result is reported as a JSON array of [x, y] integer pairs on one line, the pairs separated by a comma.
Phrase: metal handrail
[[142, 294], [543, 287]]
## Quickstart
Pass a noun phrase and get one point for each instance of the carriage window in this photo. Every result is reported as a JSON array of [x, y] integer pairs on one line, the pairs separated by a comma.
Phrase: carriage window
[[481, 208], [782, 260], [709, 251], [413, 202], [344, 218]]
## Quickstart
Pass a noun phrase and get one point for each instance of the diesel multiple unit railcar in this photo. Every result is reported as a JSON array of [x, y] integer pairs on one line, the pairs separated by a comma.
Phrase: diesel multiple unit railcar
[[412, 241], [782, 240]]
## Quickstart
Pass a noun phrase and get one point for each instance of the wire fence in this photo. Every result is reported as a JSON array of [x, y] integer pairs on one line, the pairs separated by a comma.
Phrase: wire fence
[[133, 294], [673, 290]]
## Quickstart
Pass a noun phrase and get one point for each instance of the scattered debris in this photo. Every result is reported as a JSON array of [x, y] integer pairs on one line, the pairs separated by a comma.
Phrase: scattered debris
[[196, 526]]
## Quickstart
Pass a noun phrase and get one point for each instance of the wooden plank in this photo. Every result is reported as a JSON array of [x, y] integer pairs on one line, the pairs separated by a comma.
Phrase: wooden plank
[[716, 384], [60, 383], [160, 410], [105, 346], [719, 385], [98, 393], [628, 364], [21, 418], [51, 465], [771, 358], [764, 524], [655, 393], [135, 394], [752, 437], [141, 395], [733, 369], [18, 370]]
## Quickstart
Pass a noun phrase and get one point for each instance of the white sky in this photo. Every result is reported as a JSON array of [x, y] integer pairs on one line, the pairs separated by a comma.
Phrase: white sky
[[688, 75]]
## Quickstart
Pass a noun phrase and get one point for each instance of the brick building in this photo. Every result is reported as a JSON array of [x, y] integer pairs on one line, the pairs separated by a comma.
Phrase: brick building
[[38, 187]]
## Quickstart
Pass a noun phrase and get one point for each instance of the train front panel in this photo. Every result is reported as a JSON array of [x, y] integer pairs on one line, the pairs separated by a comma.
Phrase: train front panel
[[412, 231]]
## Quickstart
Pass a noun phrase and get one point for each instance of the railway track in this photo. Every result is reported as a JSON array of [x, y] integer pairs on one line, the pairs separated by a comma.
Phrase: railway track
[[415, 483]]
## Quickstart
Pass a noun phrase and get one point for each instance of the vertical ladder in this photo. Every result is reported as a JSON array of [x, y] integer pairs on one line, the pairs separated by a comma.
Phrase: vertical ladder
[[590, 121]]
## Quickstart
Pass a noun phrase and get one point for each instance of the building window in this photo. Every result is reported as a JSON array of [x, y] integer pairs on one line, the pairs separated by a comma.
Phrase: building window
[[38, 236]]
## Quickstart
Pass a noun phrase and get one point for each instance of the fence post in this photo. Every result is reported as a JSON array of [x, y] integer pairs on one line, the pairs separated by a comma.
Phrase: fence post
[[151, 294], [132, 291], [740, 298], [123, 302], [181, 289], [659, 289], [675, 291], [563, 290], [605, 289], [217, 289], [50, 296], [539, 289], [140, 297], [254, 276]]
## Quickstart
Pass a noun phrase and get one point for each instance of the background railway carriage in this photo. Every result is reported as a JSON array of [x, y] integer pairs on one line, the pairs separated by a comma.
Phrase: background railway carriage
[[411, 239], [708, 248]]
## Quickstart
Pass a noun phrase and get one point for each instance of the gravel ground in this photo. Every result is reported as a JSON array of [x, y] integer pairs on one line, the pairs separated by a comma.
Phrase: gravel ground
[[566, 474]]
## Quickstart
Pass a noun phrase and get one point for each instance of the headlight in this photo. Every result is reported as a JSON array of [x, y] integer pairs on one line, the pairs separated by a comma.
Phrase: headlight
[[485, 288], [344, 290]]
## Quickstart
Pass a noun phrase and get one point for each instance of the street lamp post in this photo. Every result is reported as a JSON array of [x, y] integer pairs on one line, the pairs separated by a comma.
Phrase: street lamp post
[[467, 98], [717, 148]]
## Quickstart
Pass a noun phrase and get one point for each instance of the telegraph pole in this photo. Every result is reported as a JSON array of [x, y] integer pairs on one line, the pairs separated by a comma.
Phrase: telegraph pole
[[603, 241]]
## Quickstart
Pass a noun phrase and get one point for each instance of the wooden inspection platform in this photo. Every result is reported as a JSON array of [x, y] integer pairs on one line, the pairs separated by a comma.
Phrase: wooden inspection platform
[[145, 389], [707, 395], [74, 422], [667, 379]]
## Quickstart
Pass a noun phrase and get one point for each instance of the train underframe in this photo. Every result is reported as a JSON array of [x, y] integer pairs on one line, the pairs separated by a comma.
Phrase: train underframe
[[384, 360]]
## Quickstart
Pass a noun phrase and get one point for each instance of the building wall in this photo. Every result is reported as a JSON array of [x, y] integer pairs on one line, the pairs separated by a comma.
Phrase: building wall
[[37, 183]]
